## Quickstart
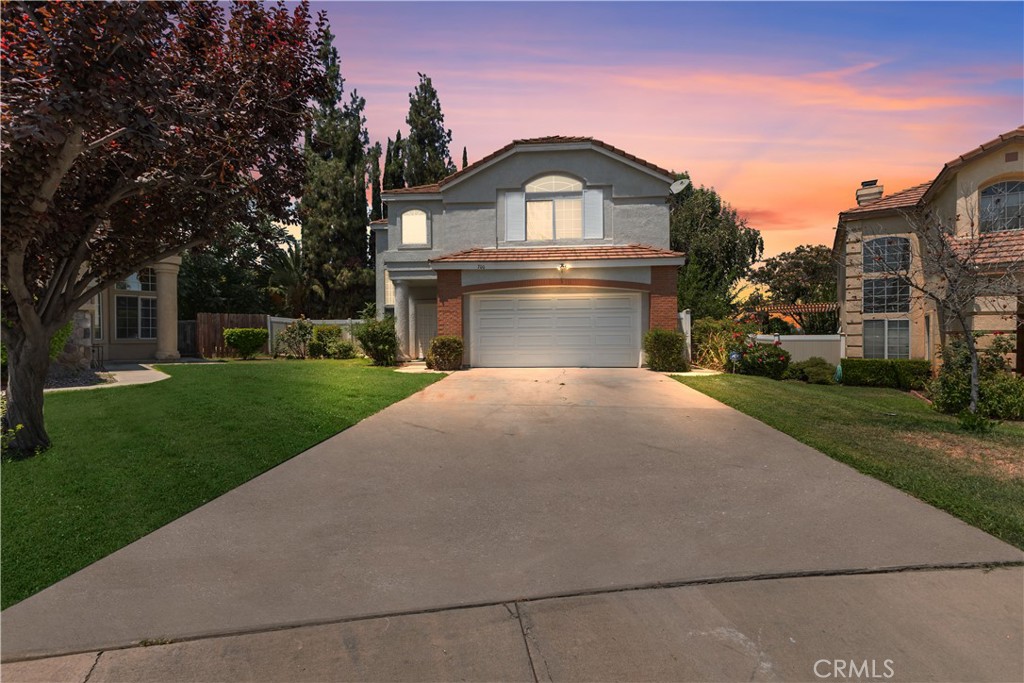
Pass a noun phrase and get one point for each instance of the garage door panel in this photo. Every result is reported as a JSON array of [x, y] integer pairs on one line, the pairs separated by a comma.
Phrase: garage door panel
[[584, 330]]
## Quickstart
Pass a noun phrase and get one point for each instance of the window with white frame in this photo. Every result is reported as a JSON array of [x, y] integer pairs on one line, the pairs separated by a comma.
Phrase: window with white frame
[[1002, 206], [554, 208], [135, 317], [142, 281], [97, 317], [886, 295], [886, 255], [887, 339], [414, 228]]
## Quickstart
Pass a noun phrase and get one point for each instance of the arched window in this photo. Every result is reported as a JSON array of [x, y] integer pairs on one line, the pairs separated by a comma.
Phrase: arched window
[[887, 255], [1002, 206], [554, 208], [414, 227]]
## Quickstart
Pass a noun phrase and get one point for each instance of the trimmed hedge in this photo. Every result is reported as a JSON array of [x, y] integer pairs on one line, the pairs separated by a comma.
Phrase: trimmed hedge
[[892, 373], [246, 341], [814, 370], [445, 353], [665, 351]]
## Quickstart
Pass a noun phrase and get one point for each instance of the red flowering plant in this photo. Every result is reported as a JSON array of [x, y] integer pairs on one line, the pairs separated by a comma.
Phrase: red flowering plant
[[765, 360]]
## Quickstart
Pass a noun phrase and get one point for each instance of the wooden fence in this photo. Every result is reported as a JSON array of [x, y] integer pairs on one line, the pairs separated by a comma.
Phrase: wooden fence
[[210, 331]]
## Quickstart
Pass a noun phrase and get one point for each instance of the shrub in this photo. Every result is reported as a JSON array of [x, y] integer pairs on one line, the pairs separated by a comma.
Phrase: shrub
[[317, 349], [1000, 394], [341, 349], [326, 333], [245, 341], [665, 350], [814, 370], [379, 340], [886, 372], [714, 339], [445, 353], [293, 341], [764, 360]]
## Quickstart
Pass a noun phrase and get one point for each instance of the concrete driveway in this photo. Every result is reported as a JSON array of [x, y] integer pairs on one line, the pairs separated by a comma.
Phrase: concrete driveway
[[510, 486]]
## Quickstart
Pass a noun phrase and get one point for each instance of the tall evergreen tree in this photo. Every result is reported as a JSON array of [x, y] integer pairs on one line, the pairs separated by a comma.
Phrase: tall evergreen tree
[[465, 158], [376, 207], [394, 165], [427, 159], [333, 208]]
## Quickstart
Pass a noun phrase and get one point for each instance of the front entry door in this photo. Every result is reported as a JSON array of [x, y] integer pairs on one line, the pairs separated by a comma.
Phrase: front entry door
[[426, 326]]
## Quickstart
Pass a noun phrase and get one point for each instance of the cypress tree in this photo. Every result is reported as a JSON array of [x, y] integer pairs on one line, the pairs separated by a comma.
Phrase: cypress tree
[[427, 159], [333, 208], [394, 166], [465, 158], [376, 208]]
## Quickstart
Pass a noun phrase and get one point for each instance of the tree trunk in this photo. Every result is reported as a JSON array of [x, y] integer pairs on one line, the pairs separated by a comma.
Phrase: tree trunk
[[972, 349], [28, 360]]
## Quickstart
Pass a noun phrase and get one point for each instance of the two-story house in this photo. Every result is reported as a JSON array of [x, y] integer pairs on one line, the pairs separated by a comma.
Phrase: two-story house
[[549, 252], [977, 201]]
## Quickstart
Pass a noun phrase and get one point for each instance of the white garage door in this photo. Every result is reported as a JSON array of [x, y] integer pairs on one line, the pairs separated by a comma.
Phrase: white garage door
[[555, 330]]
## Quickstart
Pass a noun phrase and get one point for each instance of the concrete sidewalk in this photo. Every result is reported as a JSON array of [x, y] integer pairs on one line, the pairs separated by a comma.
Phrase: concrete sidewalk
[[496, 486], [953, 625]]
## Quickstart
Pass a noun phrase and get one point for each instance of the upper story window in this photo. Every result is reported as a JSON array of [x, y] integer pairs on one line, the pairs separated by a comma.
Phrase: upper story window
[[142, 281], [554, 207], [886, 295], [1001, 206], [414, 228], [887, 255]]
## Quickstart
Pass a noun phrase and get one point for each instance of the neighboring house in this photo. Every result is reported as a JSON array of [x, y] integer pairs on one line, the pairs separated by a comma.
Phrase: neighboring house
[[979, 196], [136, 319], [549, 252]]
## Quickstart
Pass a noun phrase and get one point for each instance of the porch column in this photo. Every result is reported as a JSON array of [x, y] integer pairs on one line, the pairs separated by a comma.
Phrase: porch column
[[402, 317], [167, 308]]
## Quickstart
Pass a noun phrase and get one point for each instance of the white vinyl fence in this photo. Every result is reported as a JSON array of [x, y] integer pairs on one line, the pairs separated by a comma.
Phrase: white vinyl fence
[[275, 326], [831, 347]]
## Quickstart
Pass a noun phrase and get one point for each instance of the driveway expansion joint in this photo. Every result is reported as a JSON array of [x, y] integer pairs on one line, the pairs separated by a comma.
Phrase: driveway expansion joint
[[658, 585]]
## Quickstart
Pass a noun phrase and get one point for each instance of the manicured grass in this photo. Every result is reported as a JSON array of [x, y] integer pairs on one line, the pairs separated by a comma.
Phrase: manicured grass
[[127, 460], [898, 439]]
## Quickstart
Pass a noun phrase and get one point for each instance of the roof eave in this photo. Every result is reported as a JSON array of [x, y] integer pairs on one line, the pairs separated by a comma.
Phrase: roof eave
[[484, 264]]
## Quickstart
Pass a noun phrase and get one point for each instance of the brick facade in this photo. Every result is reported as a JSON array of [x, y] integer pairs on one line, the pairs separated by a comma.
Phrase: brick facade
[[664, 302], [451, 294], [449, 302]]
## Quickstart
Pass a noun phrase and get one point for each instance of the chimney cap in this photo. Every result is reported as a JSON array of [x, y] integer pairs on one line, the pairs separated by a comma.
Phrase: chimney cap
[[869, 183]]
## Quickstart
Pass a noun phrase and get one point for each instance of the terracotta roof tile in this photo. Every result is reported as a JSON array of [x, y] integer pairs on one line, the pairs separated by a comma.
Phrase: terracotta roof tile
[[432, 188], [904, 199], [822, 307], [995, 249], [631, 251], [379, 221]]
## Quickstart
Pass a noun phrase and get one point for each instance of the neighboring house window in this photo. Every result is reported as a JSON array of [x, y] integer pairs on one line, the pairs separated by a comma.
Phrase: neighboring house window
[[97, 317], [887, 339], [554, 208], [886, 295], [1002, 205], [389, 290], [135, 317], [414, 227], [142, 281], [887, 255]]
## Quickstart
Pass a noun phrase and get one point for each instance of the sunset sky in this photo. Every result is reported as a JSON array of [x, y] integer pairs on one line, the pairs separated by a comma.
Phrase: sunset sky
[[782, 107]]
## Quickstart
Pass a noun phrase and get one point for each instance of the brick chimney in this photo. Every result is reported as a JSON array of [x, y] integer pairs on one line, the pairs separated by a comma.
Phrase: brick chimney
[[868, 192]]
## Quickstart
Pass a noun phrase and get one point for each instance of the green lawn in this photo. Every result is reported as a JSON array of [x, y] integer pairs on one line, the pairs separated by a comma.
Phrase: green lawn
[[898, 439], [128, 460]]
